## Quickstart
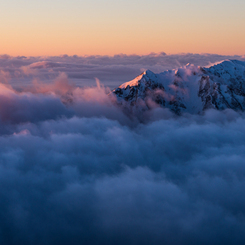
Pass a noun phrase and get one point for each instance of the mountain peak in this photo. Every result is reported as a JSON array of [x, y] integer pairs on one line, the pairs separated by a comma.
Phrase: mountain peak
[[189, 89], [146, 75], [148, 72]]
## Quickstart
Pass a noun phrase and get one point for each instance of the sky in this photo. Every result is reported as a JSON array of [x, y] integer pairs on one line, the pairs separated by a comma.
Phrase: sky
[[78, 168], [107, 27]]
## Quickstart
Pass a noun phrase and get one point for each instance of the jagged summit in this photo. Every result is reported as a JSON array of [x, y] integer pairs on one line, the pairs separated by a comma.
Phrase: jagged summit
[[190, 88], [144, 75]]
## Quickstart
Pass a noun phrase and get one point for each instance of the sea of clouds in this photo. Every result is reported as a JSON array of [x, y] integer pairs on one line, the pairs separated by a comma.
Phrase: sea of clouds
[[110, 70], [74, 169]]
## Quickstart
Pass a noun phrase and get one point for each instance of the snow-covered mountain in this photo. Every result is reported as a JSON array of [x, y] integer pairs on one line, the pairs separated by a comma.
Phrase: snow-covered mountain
[[189, 89]]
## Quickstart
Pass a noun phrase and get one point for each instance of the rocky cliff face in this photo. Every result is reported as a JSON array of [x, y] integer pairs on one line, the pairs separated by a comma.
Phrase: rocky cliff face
[[189, 89]]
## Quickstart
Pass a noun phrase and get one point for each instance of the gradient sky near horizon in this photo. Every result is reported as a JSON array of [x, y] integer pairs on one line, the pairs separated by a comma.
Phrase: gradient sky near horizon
[[108, 27]]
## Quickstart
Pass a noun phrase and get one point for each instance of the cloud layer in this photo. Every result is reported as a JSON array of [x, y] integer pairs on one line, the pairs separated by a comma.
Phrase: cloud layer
[[111, 70], [75, 170]]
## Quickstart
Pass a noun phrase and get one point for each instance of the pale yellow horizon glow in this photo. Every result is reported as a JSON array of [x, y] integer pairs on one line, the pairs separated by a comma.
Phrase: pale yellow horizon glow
[[102, 27]]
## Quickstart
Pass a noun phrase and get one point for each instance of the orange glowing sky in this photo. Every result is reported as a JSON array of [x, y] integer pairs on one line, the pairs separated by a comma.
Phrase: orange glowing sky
[[31, 27]]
